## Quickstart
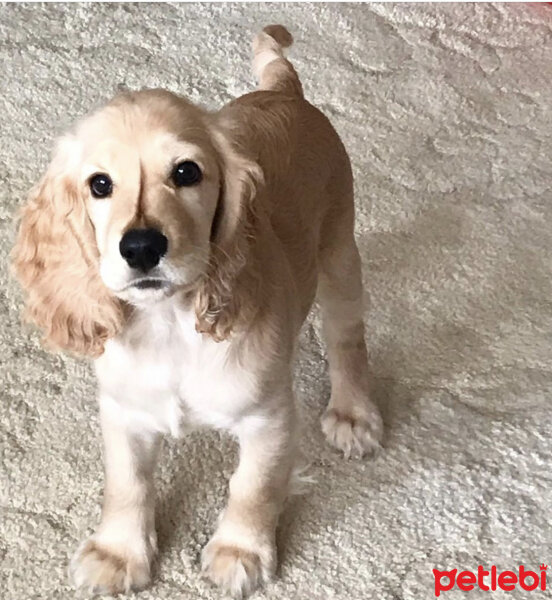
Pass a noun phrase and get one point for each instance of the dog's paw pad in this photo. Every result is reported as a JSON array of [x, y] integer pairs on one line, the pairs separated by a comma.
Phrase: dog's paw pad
[[355, 437], [237, 571], [101, 571]]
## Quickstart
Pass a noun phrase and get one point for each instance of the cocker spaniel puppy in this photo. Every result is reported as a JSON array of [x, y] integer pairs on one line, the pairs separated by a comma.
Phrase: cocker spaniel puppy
[[182, 250]]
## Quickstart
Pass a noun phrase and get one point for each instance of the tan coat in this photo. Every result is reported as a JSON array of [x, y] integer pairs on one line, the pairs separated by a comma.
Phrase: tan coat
[[206, 336]]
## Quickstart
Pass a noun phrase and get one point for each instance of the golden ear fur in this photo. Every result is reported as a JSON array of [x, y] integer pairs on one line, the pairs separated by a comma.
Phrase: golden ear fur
[[226, 292], [56, 260]]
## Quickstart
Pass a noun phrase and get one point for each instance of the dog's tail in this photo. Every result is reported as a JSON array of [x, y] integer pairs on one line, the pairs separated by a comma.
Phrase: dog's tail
[[270, 66]]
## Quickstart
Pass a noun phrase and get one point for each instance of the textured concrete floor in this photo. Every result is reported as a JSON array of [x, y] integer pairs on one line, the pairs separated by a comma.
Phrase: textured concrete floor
[[447, 114]]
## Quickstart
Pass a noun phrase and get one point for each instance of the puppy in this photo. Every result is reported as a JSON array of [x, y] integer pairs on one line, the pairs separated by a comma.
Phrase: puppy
[[182, 251]]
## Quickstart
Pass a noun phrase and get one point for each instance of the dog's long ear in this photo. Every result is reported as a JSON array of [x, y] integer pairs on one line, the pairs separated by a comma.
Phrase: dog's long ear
[[56, 260], [228, 285]]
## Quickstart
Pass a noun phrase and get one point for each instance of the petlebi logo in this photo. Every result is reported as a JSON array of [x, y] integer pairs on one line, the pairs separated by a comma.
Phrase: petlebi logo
[[490, 580]]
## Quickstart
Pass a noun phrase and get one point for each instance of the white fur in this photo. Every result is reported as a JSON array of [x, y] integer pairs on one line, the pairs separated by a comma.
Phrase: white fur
[[168, 378], [161, 376]]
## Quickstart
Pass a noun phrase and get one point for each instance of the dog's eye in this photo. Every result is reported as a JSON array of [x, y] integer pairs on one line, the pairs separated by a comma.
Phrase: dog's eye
[[186, 173], [101, 185]]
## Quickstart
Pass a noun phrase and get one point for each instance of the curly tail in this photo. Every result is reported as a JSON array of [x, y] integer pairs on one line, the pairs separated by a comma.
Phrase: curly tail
[[270, 66]]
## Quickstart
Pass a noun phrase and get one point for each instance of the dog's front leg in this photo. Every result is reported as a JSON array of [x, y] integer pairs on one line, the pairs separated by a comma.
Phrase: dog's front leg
[[118, 556], [241, 555]]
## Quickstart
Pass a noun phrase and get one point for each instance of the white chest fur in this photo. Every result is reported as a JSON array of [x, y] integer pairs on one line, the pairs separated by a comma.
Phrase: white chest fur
[[165, 375]]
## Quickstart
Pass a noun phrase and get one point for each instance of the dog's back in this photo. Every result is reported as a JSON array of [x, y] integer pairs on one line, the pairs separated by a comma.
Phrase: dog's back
[[307, 172]]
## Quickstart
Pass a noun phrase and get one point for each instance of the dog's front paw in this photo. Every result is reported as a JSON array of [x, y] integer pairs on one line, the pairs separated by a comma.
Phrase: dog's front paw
[[101, 569], [238, 571], [355, 435]]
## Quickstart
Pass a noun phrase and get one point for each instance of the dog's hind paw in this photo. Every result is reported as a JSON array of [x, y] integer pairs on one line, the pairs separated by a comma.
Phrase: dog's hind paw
[[354, 436]]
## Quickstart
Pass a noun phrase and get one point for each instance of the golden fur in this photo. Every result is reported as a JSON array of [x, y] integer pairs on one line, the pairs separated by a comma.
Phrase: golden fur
[[270, 223], [55, 259]]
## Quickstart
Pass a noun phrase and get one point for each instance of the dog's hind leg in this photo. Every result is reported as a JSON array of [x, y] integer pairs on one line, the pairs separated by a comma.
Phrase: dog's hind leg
[[351, 422]]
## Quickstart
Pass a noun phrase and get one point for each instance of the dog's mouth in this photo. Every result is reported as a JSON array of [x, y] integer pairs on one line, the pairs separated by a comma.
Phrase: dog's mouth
[[158, 284], [149, 284]]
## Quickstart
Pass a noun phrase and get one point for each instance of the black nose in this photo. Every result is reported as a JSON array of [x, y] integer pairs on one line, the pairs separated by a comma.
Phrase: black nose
[[143, 248]]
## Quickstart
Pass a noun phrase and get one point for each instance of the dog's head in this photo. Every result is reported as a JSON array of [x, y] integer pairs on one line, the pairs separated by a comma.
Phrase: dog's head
[[145, 198]]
